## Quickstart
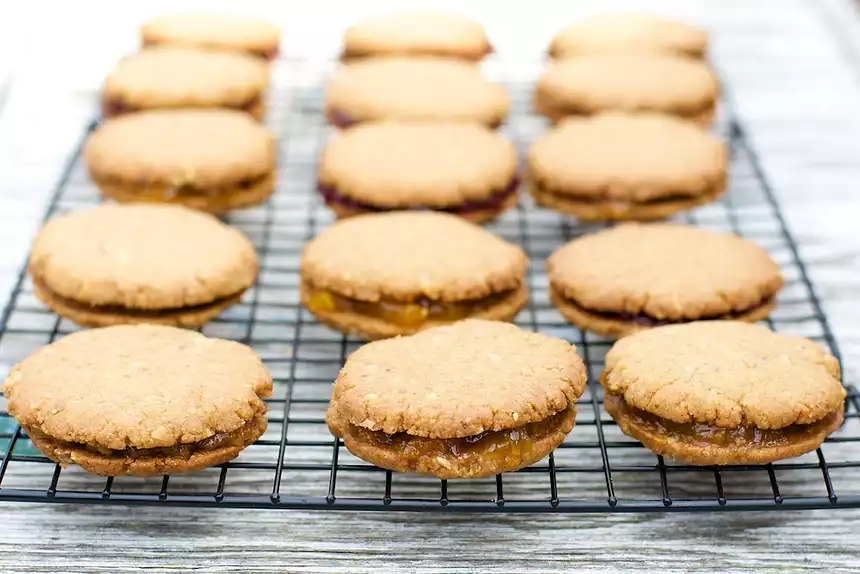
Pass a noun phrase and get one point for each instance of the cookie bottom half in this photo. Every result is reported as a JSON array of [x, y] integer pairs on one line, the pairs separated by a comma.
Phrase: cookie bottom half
[[617, 325], [217, 200], [116, 106], [476, 211], [216, 449], [599, 209], [107, 315], [380, 320], [486, 454], [703, 444]]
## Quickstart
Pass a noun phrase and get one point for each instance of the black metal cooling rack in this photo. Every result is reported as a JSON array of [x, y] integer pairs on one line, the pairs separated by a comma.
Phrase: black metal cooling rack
[[297, 464]]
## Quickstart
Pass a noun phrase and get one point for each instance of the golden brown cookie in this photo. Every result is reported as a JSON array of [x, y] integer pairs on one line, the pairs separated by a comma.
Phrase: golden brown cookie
[[628, 82], [168, 77], [472, 399], [631, 33], [210, 159], [141, 263], [426, 89], [616, 167], [388, 274], [219, 32], [441, 34], [140, 399], [459, 168], [634, 277], [723, 392]]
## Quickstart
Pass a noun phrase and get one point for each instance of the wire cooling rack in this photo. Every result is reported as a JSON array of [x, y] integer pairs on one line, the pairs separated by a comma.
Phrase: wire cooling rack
[[298, 464]]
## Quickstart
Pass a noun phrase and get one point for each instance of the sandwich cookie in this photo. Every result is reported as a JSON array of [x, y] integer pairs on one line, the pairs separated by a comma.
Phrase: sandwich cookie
[[167, 77], [440, 34], [209, 159], [627, 82], [389, 274], [218, 32], [723, 392], [617, 167], [163, 264], [631, 33], [140, 399], [426, 89], [468, 400], [635, 277], [459, 168]]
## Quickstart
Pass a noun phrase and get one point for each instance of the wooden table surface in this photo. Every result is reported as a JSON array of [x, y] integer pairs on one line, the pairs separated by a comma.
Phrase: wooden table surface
[[794, 68]]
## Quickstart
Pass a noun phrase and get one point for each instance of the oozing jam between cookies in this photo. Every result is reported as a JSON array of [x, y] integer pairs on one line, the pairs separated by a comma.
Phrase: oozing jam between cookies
[[494, 202], [513, 443], [342, 120], [712, 435], [128, 312], [646, 320], [406, 314], [117, 106], [269, 54], [243, 436], [153, 191]]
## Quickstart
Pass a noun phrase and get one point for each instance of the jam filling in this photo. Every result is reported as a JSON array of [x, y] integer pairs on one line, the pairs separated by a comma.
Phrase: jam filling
[[712, 435], [649, 321], [117, 106], [494, 202], [128, 311], [342, 120], [599, 200], [160, 191], [409, 314], [269, 54], [489, 445], [240, 437]]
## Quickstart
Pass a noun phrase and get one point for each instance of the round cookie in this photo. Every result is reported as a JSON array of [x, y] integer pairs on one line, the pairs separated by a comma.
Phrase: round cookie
[[630, 83], [631, 33], [140, 263], [209, 159], [459, 168], [140, 399], [425, 89], [167, 77], [440, 34], [467, 400], [617, 167], [723, 392], [634, 277], [220, 32], [389, 274]]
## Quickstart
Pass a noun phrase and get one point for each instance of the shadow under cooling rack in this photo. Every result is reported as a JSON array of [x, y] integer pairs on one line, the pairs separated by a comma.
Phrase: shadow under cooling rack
[[298, 464]]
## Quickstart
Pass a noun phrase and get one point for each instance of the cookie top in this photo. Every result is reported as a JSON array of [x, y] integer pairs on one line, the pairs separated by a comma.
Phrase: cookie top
[[631, 82], [203, 147], [404, 256], [628, 156], [665, 271], [628, 32], [725, 373], [140, 386], [416, 89], [212, 32], [397, 164], [143, 256], [168, 77], [417, 34], [458, 380]]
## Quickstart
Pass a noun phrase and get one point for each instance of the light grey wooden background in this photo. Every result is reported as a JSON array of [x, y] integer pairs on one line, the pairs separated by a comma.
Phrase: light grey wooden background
[[794, 66]]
